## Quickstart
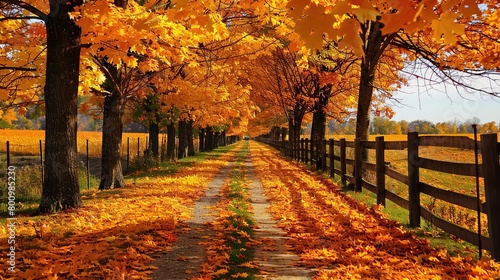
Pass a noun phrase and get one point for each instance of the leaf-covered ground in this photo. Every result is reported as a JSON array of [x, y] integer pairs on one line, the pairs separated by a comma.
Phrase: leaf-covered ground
[[112, 236], [117, 231], [347, 240]]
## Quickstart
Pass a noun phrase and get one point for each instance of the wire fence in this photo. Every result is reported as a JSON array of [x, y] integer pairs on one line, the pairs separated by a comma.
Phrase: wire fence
[[24, 155]]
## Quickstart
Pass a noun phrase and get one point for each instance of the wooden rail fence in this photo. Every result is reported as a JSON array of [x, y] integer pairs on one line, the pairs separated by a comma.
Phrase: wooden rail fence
[[325, 157]]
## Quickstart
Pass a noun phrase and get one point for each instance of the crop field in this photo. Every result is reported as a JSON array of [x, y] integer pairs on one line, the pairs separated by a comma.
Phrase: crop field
[[27, 142], [397, 160]]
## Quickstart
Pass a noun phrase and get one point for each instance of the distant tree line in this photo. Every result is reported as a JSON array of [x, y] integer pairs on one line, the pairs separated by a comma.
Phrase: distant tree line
[[382, 125]]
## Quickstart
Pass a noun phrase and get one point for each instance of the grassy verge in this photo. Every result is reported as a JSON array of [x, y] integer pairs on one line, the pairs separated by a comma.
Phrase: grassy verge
[[236, 222], [437, 238]]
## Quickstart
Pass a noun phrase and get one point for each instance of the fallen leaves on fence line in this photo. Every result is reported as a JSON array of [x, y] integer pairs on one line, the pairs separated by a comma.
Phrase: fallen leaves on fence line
[[346, 240]]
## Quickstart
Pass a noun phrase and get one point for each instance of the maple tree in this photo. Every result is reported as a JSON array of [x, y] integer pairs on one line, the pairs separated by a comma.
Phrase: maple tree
[[53, 50], [372, 29], [121, 61], [279, 80], [334, 96]]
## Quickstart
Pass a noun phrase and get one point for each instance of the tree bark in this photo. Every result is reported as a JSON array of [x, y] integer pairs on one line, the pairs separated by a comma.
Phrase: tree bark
[[223, 138], [319, 121], [112, 129], [202, 139], [182, 153], [209, 139], [171, 141], [294, 126], [216, 139], [190, 139], [154, 132], [374, 46], [60, 189]]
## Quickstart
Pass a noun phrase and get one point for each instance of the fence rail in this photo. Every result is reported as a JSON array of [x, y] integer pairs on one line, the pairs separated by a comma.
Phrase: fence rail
[[325, 157]]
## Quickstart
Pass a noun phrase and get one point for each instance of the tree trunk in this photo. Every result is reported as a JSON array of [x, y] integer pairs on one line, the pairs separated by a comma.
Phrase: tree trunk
[[60, 189], [294, 126], [364, 103], [202, 139], [209, 139], [190, 139], [182, 153], [112, 129], [283, 134], [171, 141], [154, 132], [319, 122], [223, 138], [374, 46], [216, 139]]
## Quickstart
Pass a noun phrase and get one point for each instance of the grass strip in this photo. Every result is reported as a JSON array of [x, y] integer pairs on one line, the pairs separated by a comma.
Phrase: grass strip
[[235, 227]]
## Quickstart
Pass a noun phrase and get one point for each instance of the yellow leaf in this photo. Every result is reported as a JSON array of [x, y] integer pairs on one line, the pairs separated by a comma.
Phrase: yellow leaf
[[393, 22], [221, 271], [314, 24], [365, 12], [9, 116], [446, 28], [110, 238]]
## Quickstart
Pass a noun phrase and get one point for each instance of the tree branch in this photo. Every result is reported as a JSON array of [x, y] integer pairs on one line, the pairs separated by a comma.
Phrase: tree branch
[[17, 68], [28, 7]]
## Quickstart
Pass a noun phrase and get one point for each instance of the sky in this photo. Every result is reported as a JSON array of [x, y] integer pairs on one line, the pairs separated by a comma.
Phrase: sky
[[442, 103], [438, 107]]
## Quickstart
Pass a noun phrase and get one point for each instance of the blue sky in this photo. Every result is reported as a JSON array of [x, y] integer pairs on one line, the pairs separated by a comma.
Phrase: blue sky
[[445, 102], [438, 107]]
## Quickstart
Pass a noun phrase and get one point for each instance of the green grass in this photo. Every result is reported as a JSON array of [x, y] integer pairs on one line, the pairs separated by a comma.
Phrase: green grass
[[437, 238], [242, 223], [461, 184]]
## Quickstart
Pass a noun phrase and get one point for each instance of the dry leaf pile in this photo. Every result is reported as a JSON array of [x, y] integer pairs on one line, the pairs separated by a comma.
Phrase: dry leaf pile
[[346, 240], [113, 234]]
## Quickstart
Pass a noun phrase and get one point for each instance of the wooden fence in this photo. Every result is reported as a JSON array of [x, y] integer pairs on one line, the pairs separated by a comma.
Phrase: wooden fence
[[489, 169]]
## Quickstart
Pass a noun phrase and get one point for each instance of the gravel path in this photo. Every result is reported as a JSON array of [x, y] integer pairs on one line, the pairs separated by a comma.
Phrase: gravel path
[[272, 256], [185, 259]]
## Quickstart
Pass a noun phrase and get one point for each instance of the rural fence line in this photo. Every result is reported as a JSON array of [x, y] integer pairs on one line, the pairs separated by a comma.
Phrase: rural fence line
[[325, 157], [133, 149]]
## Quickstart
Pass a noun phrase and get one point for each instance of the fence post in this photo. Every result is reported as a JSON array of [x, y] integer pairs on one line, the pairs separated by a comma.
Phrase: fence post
[[491, 172], [323, 152], [41, 160], [88, 166], [128, 152], [295, 148], [138, 149], [8, 154], [331, 155], [343, 167], [413, 179], [319, 152], [311, 150], [301, 150], [306, 151], [358, 179], [380, 162]]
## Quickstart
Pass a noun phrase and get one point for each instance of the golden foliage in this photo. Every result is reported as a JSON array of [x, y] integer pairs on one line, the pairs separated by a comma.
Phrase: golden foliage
[[343, 238], [112, 236]]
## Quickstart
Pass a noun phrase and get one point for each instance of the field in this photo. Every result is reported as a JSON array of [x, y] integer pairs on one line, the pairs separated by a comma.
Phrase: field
[[27, 142], [24, 145], [397, 160]]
